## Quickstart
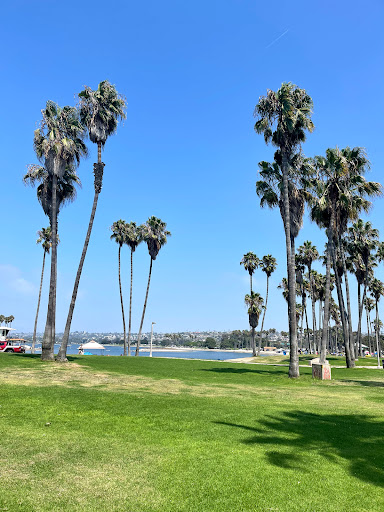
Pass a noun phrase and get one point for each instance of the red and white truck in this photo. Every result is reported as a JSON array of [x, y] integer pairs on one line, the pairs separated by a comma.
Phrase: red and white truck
[[9, 344]]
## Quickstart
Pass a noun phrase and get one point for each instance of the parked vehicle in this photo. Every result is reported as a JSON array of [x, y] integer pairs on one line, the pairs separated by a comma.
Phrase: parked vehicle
[[9, 344]]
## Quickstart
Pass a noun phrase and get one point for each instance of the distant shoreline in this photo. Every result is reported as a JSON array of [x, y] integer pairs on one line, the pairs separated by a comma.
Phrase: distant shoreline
[[146, 348]]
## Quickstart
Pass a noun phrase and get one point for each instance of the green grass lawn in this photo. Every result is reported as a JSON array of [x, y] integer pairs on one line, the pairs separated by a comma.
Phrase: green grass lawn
[[333, 360], [146, 435]]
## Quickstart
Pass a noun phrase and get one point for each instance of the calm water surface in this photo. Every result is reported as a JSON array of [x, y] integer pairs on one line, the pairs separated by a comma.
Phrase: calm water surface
[[113, 350]]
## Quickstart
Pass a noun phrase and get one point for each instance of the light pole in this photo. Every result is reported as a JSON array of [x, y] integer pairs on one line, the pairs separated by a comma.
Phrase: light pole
[[150, 346]]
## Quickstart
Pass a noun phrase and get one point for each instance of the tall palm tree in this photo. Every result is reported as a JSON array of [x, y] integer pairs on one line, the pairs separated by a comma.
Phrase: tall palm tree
[[369, 305], [59, 145], [11, 319], [154, 234], [377, 289], [255, 305], [133, 237], [2, 318], [100, 111], [284, 117], [65, 193], [360, 240], [251, 262], [45, 241], [309, 253], [268, 266], [340, 192], [118, 235], [334, 313]]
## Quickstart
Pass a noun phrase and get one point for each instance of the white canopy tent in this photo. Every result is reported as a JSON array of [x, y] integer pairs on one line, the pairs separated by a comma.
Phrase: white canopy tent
[[91, 345]]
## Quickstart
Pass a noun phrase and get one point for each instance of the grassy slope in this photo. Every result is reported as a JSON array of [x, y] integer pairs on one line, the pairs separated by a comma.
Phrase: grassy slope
[[333, 360], [146, 435]]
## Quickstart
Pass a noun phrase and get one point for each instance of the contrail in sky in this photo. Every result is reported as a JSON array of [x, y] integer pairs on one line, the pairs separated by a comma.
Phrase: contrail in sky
[[277, 38]]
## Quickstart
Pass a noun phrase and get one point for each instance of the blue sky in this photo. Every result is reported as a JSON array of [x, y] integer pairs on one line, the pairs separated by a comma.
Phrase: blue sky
[[187, 153]]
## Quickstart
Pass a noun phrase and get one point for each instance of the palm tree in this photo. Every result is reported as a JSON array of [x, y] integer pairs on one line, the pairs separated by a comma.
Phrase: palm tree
[[65, 193], [360, 240], [154, 234], [377, 289], [65, 190], [268, 265], [58, 144], [283, 117], [100, 112], [118, 234], [132, 238], [2, 318], [45, 241], [369, 305], [255, 304], [251, 262], [334, 313], [339, 196], [309, 253]]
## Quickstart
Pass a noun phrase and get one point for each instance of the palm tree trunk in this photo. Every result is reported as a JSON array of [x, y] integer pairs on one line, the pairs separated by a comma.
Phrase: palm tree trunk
[[122, 304], [336, 340], [361, 306], [323, 349], [47, 349], [130, 308], [38, 306], [306, 323], [144, 308], [253, 342], [314, 334], [98, 172], [265, 310], [349, 362], [348, 296], [377, 334], [291, 271], [368, 329]]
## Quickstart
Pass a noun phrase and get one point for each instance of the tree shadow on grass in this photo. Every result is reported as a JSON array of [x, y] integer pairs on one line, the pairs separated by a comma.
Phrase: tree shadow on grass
[[271, 371], [38, 356], [368, 383], [356, 439]]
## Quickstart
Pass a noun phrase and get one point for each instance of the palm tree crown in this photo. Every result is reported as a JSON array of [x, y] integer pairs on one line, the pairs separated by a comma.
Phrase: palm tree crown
[[45, 239], [255, 305], [309, 253], [341, 190], [66, 187], [268, 264], [288, 110], [133, 235], [251, 262], [100, 111], [376, 288], [118, 232], [155, 235], [59, 140]]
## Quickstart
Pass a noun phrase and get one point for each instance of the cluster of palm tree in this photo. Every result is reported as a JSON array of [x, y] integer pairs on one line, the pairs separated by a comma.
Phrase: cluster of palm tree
[[59, 146], [334, 188], [154, 234], [254, 301], [6, 319]]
